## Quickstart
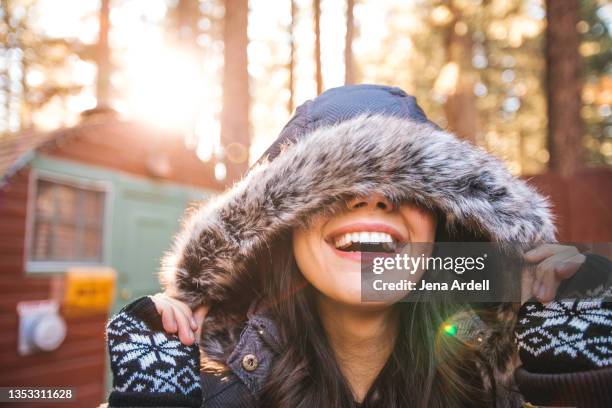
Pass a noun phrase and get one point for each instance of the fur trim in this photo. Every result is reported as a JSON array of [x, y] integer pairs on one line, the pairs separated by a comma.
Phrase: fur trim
[[401, 159]]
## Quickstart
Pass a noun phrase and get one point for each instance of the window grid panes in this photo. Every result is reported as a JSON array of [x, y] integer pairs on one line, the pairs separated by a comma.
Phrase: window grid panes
[[68, 223]]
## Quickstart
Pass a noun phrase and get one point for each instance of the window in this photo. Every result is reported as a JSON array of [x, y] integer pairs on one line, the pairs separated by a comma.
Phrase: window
[[67, 223]]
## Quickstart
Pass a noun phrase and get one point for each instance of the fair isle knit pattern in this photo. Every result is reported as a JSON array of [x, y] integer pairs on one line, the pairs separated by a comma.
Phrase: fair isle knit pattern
[[147, 360], [565, 335]]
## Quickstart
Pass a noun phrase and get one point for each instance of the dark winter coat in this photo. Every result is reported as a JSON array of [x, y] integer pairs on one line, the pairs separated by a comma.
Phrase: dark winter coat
[[350, 141]]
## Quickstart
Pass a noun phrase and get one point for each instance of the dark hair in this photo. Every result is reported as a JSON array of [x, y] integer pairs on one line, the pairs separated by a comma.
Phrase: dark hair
[[425, 369]]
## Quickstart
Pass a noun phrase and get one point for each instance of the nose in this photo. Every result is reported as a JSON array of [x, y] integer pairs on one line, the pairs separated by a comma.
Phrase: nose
[[372, 201]]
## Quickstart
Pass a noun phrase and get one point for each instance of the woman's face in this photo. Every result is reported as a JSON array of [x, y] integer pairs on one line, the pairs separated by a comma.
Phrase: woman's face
[[328, 253]]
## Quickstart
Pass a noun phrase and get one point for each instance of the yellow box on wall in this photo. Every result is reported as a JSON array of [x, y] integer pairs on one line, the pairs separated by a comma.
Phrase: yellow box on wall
[[89, 288]]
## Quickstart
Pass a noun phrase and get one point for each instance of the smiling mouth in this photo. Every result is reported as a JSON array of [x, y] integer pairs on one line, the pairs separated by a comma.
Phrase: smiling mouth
[[365, 242]]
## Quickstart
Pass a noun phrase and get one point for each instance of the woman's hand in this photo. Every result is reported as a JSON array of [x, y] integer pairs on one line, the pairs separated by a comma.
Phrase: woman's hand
[[555, 264], [177, 317]]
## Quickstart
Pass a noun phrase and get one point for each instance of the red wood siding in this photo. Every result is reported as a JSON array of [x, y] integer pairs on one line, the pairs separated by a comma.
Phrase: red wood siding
[[79, 361], [581, 204]]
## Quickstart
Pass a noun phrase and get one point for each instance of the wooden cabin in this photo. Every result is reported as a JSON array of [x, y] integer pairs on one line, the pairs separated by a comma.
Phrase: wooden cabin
[[105, 193]]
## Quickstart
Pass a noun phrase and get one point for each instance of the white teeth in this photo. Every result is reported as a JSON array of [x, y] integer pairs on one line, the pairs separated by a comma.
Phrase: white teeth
[[362, 237], [345, 240]]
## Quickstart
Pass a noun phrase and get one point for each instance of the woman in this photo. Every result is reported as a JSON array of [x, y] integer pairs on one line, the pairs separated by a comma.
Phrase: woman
[[274, 265]]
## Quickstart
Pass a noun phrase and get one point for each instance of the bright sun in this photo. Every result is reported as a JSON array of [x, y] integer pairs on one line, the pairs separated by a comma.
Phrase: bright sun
[[164, 85]]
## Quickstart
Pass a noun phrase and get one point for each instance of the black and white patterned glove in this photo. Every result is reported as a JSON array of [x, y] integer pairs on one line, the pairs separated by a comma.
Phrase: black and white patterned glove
[[574, 332], [565, 335], [565, 346], [150, 368]]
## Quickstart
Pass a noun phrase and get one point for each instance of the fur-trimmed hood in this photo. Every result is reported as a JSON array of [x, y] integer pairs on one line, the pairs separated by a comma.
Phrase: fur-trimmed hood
[[319, 165], [402, 159]]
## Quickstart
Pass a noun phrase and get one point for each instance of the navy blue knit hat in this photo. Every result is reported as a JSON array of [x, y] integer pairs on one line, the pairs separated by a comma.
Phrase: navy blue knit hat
[[343, 103]]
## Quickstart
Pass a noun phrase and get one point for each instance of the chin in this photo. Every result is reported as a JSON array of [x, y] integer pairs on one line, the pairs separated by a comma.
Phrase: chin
[[350, 296], [345, 288], [366, 306]]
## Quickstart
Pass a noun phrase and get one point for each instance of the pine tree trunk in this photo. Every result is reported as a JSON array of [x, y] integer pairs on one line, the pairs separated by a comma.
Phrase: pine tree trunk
[[460, 106], [186, 29], [563, 86], [235, 132], [317, 28], [103, 84], [349, 69]]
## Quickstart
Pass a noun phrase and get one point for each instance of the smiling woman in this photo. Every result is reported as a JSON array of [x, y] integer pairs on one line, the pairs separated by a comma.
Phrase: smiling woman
[[276, 263]]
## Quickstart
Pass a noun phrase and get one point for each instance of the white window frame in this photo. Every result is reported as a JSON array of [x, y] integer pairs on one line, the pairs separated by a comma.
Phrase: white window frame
[[72, 181]]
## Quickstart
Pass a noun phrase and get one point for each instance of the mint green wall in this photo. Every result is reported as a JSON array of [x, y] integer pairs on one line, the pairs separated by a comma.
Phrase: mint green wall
[[142, 216]]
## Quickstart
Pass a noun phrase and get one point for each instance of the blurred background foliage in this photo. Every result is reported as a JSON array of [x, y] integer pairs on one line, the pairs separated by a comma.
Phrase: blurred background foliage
[[478, 67]]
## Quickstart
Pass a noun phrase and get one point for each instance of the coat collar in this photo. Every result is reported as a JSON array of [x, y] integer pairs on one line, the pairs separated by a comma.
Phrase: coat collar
[[260, 343], [254, 353]]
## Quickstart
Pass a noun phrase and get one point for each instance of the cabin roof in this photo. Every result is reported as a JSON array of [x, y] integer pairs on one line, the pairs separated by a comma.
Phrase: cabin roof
[[18, 149]]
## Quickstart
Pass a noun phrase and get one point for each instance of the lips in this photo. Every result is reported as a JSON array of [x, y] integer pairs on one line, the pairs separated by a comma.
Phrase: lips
[[363, 240]]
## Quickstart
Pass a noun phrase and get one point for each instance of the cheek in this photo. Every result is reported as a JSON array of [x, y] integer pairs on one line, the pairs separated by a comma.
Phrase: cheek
[[308, 256], [422, 224], [335, 278], [311, 257]]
